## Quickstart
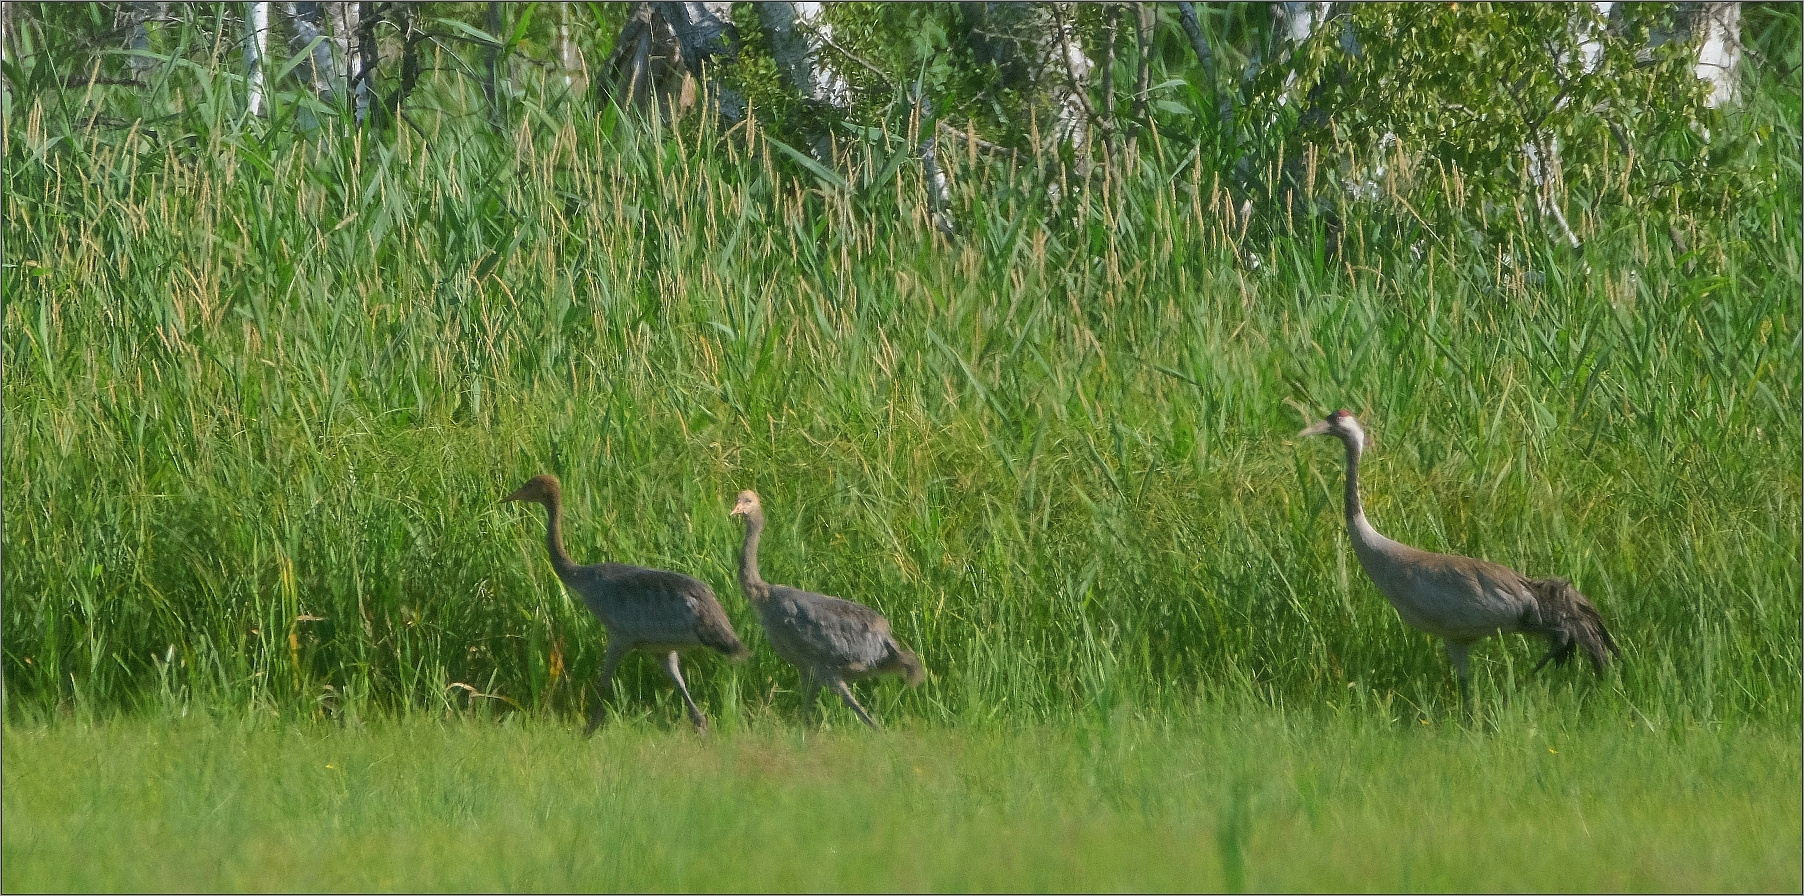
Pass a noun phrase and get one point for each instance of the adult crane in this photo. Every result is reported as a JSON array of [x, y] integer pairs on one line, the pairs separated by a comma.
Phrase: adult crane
[[1462, 599]]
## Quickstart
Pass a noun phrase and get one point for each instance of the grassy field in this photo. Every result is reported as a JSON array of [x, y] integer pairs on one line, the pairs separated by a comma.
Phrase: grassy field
[[268, 627], [1208, 799]]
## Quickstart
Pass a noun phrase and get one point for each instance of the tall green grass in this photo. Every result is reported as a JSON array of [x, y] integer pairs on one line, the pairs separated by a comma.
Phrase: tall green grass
[[264, 390]]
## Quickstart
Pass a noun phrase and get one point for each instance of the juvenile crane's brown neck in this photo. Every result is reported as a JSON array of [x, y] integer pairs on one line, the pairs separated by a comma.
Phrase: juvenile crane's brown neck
[[749, 582], [554, 534]]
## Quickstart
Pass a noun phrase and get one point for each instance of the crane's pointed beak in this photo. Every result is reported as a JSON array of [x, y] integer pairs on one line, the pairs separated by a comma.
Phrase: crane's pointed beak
[[1320, 428]]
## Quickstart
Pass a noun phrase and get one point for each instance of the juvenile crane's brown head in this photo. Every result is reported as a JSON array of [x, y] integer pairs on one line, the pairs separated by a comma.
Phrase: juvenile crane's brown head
[[747, 506], [540, 489], [1339, 424]]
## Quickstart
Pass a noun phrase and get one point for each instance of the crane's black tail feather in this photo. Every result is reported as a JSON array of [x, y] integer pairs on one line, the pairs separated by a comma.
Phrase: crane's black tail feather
[[1570, 621]]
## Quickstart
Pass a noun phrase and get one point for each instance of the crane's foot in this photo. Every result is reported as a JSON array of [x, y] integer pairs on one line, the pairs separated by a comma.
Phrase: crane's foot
[[700, 722], [596, 717]]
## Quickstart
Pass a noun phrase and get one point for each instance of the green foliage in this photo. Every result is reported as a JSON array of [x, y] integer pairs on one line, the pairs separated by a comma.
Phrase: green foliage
[[1213, 798], [1470, 85]]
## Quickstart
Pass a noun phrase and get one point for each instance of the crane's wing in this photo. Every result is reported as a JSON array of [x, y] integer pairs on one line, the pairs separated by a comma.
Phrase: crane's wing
[[1458, 598], [657, 606], [830, 631]]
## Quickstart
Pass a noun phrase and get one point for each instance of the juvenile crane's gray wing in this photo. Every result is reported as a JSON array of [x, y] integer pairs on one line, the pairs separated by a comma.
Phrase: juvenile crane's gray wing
[[656, 606], [831, 632]]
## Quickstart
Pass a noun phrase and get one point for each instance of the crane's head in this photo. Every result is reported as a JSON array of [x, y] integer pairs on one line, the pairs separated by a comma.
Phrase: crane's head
[[1339, 424], [747, 505], [540, 489]]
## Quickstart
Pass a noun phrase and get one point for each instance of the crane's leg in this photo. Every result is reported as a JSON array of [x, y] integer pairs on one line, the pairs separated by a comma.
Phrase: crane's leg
[[845, 693], [617, 651], [1461, 654], [811, 691], [695, 714]]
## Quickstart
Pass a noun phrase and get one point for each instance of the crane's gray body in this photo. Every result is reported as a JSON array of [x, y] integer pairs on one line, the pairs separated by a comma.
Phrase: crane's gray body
[[1456, 598], [650, 610], [831, 640], [826, 637], [1463, 599]]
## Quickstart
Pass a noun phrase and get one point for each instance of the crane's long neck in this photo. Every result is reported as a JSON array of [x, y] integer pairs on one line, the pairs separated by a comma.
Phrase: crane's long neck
[[554, 535], [749, 581], [1358, 528], [1354, 511]]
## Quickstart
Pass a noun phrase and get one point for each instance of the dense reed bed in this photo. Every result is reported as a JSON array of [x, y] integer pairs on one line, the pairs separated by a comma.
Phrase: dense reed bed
[[265, 388]]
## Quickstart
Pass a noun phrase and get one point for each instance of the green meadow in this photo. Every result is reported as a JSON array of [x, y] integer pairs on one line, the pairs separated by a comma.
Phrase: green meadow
[[1213, 799], [268, 626]]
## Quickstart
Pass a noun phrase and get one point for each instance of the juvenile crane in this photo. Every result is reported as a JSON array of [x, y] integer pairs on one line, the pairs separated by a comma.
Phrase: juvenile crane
[[1460, 599], [832, 641], [653, 610]]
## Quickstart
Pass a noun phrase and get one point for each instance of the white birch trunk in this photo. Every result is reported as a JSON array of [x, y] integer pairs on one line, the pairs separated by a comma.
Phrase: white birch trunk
[[137, 18], [1717, 29], [1294, 24], [646, 65], [1544, 154], [1714, 28], [310, 37], [347, 21], [704, 32], [347, 71], [343, 16], [1063, 61], [939, 193], [256, 43], [1297, 21], [567, 56], [798, 33], [1036, 50], [1590, 45]]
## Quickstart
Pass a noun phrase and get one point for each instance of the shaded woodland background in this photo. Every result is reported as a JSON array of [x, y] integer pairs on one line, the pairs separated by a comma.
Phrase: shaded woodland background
[[1278, 99]]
